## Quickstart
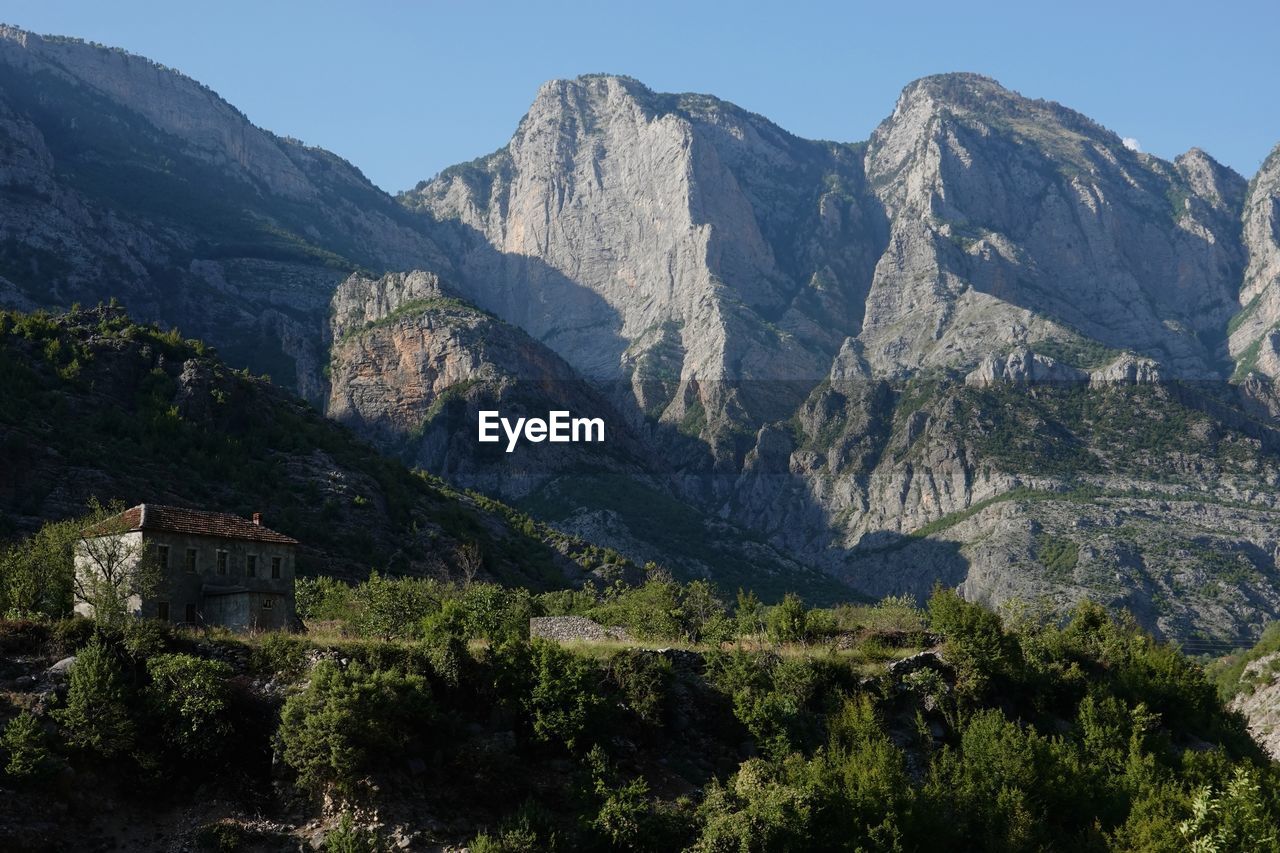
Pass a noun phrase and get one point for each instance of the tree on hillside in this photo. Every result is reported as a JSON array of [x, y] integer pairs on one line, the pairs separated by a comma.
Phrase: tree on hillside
[[111, 566], [96, 715], [91, 558], [35, 574]]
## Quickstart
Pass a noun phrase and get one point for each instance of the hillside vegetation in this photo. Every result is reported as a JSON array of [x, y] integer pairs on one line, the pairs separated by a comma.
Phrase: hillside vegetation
[[421, 713], [93, 405]]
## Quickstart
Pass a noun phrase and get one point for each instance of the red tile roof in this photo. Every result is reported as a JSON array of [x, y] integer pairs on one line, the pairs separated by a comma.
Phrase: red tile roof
[[172, 519]]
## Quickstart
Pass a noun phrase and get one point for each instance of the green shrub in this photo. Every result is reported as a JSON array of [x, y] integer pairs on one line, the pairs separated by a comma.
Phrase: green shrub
[[495, 613], [787, 621], [220, 837], [564, 697], [976, 644], [643, 679], [529, 829], [763, 807], [145, 638], [96, 715], [36, 573], [391, 608], [25, 746], [622, 810], [22, 637], [347, 838], [349, 721], [748, 615], [649, 611], [322, 598], [190, 697], [72, 633], [1242, 815]]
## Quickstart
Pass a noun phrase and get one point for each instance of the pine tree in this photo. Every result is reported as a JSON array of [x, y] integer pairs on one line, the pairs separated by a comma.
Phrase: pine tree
[[27, 746], [96, 717]]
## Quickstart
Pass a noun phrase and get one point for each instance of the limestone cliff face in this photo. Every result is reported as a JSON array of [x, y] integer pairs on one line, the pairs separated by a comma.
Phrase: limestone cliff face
[[411, 365], [678, 233], [657, 237], [1152, 495], [1016, 221], [402, 341], [123, 178], [1259, 702], [1254, 339]]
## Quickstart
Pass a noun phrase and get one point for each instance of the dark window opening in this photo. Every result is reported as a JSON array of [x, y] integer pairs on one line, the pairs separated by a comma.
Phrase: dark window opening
[[191, 614], [162, 611], [268, 603], [191, 559], [222, 562], [275, 567], [251, 566], [162, 556]]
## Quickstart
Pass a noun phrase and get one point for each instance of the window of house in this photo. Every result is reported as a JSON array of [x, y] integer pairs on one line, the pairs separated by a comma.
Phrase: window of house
[[275, 567], [268, 603], [162, 556], [162, 611], [251, 566], [191, 559], [191, 614], [222, 562]]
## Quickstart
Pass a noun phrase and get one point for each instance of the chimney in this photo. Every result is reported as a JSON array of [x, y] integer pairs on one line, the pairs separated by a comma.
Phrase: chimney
[[257, 518]]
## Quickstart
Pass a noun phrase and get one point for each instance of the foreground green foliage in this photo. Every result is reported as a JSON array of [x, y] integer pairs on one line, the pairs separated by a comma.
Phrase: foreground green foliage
[[1087, 735]]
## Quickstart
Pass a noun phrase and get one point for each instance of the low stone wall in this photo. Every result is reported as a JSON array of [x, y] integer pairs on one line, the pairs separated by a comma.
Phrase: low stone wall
[[569, 628]]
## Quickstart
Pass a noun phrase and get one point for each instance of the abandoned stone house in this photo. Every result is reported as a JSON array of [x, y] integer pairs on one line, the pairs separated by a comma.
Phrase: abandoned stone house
[[216, 569]]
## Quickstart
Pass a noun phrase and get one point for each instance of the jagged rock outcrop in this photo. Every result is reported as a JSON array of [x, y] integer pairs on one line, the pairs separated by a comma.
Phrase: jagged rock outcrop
[[411, 365], [1254, 342], [1128, 369], [1022, 366]]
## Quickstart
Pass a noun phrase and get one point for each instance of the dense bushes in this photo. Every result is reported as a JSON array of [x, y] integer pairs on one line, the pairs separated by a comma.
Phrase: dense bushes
[[350, 721], [660, 609], [189, 696], [1030, 736]]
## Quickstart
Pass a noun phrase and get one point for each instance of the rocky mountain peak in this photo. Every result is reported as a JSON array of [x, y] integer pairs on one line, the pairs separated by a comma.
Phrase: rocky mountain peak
[[982, 99], [1220, 186], [1014, 220], [168, 99]]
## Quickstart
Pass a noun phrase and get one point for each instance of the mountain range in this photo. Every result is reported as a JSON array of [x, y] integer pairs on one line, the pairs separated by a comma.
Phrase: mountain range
[[991, 346]]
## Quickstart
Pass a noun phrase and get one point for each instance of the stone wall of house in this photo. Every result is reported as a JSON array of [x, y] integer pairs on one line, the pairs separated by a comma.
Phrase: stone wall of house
[[207, 596], [183, 588]]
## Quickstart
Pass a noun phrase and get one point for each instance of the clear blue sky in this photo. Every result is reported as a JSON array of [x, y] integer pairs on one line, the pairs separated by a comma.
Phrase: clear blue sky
[[403, 89]]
